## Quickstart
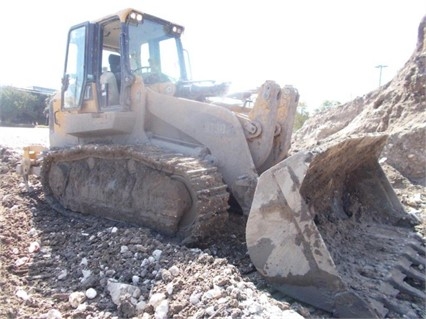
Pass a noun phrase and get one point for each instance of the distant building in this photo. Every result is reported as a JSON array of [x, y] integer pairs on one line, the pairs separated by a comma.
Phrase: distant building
[[37, 90], [43, 90]]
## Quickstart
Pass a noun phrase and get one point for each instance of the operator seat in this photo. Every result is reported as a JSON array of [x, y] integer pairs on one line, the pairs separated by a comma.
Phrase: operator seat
[[111, 90], [114, 64]]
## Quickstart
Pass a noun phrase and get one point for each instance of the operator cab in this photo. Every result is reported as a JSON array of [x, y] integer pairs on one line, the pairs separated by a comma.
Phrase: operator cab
[[105, 57]]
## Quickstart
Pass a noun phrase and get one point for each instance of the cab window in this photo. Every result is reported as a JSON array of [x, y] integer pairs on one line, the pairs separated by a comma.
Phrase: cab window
[[73, 81]]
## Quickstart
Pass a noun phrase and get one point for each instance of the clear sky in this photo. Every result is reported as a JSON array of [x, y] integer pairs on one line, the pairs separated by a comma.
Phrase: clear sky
[[327, 49]]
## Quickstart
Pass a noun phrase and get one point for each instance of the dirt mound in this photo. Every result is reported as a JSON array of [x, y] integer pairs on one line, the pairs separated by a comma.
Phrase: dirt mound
[[396, 109]]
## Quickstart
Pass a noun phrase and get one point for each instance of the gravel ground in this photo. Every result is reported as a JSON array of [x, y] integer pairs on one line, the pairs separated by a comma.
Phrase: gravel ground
[[54, 266]]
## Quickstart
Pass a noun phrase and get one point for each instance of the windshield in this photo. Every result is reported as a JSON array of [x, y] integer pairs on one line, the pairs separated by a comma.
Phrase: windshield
[[154, 52]]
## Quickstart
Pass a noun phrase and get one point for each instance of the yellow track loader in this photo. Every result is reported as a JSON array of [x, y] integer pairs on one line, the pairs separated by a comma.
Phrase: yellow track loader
[[133, 139]]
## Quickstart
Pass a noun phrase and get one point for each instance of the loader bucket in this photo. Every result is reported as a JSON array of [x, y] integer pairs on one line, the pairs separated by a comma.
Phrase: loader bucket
[[326, 228]]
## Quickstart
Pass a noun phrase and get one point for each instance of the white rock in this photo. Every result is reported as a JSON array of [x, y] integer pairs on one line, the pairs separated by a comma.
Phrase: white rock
[[417, 198], [220, 281], [254, 308], [161, 310], [124, 249], [166, 275], [241, 285], [174, 270], [63, 274], [22, 294], [156, 299], [117, 289], [227, 271], [76, 298], [86, 273], [248, 292], [275, 312], [21, 261], [110, 272], [140, 306], [195, 297], [169, 288], [84, 262], [157, 254], [210, 310], [250, 285], [214, 293], [135, 279], [91, 293], [81, 307], [263, 298], [114, 230], [54, 314], [145, 263], [46, 250]]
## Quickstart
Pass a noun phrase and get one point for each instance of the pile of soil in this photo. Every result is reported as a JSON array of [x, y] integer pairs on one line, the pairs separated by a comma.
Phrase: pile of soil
[[397, 109]]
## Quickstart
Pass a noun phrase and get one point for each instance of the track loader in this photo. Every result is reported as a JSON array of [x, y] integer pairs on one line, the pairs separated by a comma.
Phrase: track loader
[[133, 139]]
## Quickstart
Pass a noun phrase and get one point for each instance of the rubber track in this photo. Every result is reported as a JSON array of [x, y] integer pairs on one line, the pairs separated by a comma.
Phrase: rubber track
[[203, 180]]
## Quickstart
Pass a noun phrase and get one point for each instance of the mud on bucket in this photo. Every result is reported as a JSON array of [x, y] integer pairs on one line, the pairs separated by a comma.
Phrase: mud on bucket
[[326, 228]]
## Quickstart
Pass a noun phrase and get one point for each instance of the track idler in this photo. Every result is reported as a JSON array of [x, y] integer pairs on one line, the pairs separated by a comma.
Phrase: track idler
[[326, 228]]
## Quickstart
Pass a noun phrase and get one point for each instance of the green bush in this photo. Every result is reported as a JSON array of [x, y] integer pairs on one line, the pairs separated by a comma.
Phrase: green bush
[[301, 116], [18, 106]]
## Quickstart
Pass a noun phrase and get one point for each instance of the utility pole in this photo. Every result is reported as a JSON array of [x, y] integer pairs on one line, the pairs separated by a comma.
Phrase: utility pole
[[380, 66]]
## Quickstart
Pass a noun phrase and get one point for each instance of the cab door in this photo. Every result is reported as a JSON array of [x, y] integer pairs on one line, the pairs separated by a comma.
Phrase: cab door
[[79, 76]]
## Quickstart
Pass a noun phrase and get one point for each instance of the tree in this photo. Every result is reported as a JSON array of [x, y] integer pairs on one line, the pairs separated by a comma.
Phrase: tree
[[327, 104], [20, 106], [301, 116]]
